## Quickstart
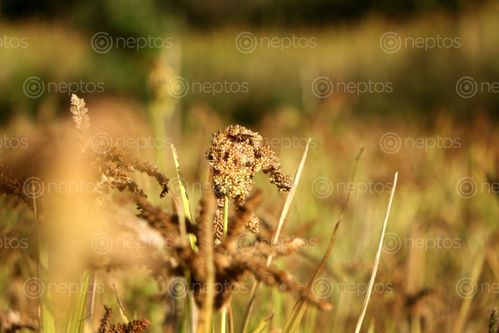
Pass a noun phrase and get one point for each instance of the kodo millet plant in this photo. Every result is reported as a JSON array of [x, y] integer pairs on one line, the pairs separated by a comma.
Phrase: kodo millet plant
[[204, 256]]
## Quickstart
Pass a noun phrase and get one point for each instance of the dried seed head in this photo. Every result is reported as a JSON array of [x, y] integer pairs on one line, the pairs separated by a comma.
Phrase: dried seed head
[[236, 155], [80, 117], [253, 224]]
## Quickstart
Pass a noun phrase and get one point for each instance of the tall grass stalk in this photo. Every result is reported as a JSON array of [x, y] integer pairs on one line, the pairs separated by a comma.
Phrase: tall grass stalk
[[48, 321], [378, 257], [223, 311], [204, 324], [185, 202], [466, 305]]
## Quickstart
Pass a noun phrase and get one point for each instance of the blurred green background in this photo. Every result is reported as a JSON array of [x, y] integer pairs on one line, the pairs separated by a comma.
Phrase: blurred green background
[[202, 37]]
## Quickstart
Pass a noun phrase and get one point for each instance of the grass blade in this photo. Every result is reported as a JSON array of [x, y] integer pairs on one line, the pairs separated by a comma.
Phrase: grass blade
[[185, 201], [205, 224], [378, 256], [296, 316], [75, 324], [261, 326], [466, 305], [48, 320]]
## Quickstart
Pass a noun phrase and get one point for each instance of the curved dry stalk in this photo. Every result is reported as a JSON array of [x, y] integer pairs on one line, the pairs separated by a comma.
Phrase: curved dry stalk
[[378, 256]]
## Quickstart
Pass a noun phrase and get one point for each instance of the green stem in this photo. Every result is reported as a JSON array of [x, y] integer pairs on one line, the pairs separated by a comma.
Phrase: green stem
[[223, 320], [226, 215]]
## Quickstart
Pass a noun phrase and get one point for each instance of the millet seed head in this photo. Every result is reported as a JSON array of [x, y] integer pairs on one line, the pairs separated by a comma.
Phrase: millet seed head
[[236, 155]]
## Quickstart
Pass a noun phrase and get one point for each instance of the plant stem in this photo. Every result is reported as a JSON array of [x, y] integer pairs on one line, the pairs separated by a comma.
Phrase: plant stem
[[377, 259], [226, 215], [223, 320]]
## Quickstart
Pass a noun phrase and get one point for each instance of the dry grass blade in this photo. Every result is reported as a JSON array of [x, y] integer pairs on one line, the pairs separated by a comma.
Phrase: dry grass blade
[[230, 319], [205, 223], [76, 318], [493, 261], [378, 256], [183, 192], [185, 201], [465, 307], [290, 197], [261, 326], [121, 308], [277, 232]]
